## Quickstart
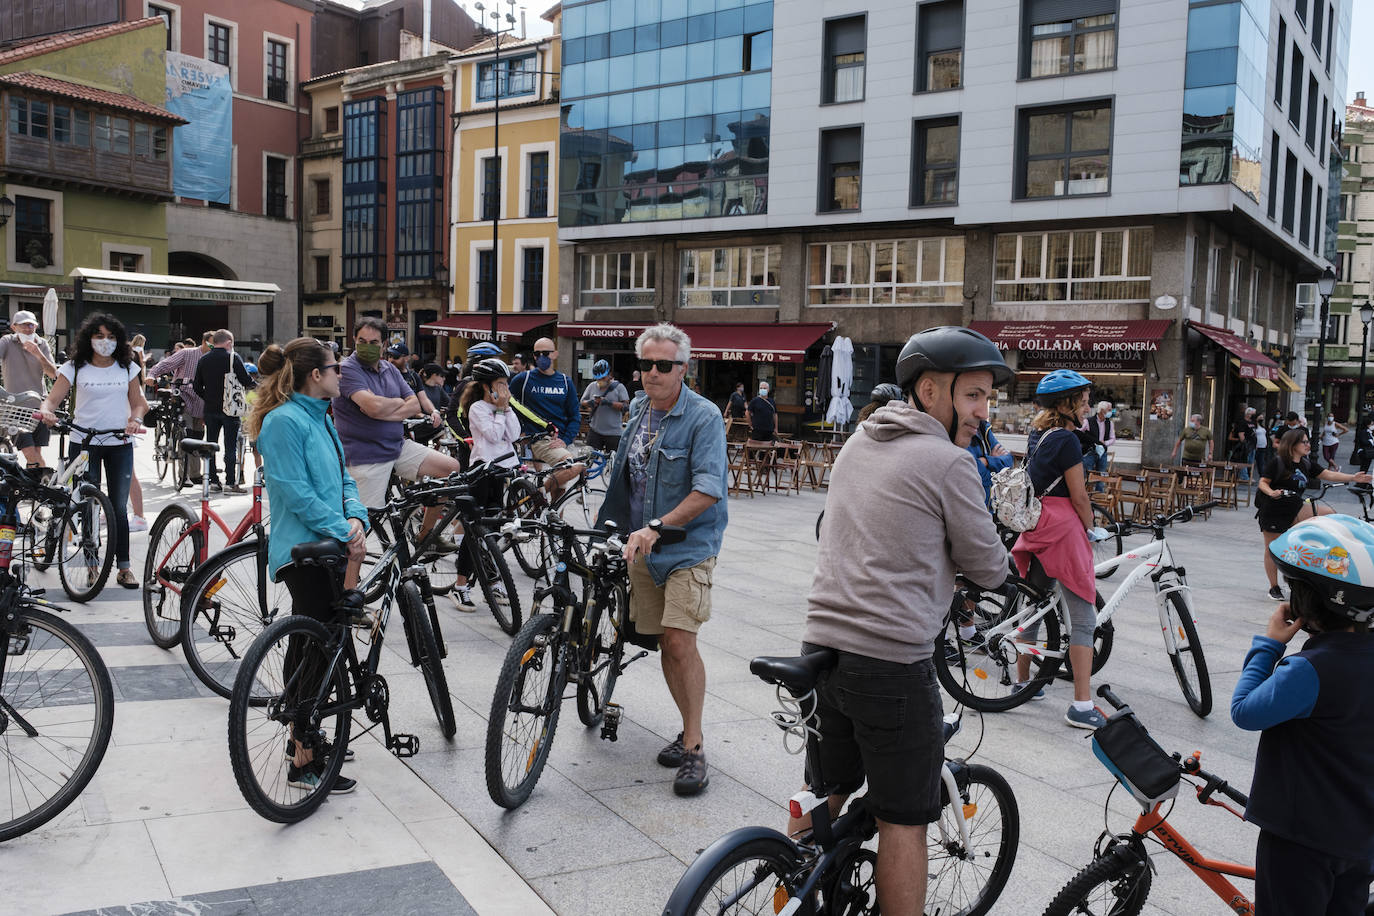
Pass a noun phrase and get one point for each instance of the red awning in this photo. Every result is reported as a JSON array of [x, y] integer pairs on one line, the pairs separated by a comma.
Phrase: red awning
[[477, 326], [1090, 337], [756, 343], [1253, 363]]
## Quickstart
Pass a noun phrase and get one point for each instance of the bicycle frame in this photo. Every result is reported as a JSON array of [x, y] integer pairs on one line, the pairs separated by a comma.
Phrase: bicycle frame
[[1212, 872], [251, 521]]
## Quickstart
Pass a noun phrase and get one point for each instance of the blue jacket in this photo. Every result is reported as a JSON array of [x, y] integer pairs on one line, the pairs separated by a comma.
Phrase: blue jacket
[[983, 446], [553, 397], [688, 455], [311, 495]]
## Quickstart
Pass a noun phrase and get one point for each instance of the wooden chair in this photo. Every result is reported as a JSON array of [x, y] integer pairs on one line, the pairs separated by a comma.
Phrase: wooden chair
[[1194, 489], [758, 457], [1226, 483], [737, 467], [787, 464], [1107, 496], [1159, 490], [815, 465], [1132, 493]]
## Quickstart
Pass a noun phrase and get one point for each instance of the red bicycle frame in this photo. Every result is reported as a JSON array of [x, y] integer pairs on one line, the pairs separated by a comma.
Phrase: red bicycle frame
[[208, 516], [1211, 872]]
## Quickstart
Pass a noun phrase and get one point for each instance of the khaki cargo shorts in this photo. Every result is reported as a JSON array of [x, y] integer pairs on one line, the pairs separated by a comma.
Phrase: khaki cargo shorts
[[545, 453], [683, 603]]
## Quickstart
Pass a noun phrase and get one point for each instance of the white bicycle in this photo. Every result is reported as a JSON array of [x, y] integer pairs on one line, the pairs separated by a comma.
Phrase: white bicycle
[[980, 670]]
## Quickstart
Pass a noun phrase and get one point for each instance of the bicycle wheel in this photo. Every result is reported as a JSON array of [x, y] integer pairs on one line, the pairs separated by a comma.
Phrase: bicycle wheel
[[416, 619], [523, 501], [85, 546], [494, 578], [38, 533], [227, 603], [174, 548], [577, 506], [601, 655], [524, 711], [1115, 884], [160, 449], [178, 459], [980, 670], [1108, 549], [967, 880], [58, 707], [745, 875], [274, 698], [1189, 666]]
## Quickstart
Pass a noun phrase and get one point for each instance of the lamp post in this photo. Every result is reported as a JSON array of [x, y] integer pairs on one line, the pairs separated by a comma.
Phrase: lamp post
[[496, 17], [1325, 285], [1366, 316]]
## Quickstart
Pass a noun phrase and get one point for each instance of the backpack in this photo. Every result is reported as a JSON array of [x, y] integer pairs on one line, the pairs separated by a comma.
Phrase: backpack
[[235, 402], [1013, 495]]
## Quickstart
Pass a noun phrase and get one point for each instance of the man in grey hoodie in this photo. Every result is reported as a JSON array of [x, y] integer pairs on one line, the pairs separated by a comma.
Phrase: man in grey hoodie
[[905, 511]]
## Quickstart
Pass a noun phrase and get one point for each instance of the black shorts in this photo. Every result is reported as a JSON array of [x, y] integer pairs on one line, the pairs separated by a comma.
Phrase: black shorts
[[1276, 517], [602, 441], [883, 721], [40, 437]]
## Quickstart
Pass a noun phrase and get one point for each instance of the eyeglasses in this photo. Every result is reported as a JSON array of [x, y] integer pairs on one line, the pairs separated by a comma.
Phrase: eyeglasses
[[664, 366]]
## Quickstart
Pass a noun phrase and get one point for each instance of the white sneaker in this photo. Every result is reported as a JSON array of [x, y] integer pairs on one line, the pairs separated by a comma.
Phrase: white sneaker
[[137, 523], [462, 596]]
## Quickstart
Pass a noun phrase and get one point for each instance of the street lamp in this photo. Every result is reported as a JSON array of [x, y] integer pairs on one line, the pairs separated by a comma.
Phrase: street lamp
[[496, 17], [1326, 284], [6, 209], [1366, 316]]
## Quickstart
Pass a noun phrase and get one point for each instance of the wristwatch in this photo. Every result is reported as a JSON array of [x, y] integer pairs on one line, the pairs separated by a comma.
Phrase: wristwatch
[[656, 525]]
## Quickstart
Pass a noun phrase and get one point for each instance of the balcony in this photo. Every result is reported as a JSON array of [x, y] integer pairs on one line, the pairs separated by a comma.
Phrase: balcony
[[61, 164]]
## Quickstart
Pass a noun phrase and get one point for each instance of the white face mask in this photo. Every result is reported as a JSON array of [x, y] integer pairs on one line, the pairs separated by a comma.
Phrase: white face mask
[[27, 338], [104, 346]]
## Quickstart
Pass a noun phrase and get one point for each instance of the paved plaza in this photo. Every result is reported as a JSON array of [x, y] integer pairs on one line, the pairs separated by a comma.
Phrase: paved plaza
[[163, 829]]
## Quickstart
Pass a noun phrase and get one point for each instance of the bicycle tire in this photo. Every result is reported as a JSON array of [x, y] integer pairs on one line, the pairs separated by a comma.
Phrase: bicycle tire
[[523, 501], [38, 533], [86, 556], [1104, 637], [1190, 667], [1107, 549], [575, 506], [160, 462], [494, 579], [991, 839], [1126, 879], [416, 619], [228, 602], [162, 570], [25, 689], [519, 740], [261, 698], [990, 685], [603, 652], [737, 875]]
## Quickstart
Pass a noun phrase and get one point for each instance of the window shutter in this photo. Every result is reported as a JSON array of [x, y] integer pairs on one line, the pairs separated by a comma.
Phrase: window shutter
[[1039, 12]]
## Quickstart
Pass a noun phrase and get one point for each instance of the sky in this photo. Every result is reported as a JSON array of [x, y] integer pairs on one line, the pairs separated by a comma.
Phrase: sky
[[1361, 43]]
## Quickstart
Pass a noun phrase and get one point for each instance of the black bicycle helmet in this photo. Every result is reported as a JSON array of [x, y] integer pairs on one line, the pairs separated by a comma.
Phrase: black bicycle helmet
[[950, 349], [489, 370], [886, 392]]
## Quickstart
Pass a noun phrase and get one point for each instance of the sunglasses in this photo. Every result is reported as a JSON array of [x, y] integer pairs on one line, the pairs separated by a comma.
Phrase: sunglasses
[[543, 352], [664, 366], [333, 366]]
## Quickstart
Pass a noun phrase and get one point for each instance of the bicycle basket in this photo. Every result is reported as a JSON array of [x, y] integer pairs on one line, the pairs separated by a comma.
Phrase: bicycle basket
[[16, 419], [1136, 760]]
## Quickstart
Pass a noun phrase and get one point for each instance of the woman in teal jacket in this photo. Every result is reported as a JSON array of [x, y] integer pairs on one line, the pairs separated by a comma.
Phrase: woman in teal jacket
[[311, 495]]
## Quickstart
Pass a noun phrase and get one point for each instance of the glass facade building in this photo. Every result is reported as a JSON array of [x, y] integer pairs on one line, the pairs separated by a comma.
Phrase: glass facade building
[[666, 107], [1224, 93]]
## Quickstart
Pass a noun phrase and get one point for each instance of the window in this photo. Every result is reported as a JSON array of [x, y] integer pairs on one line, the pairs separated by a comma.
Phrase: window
[[169, 17], [1344, 265], [1059, 45], [1317, 27], [623, 278], [486, 280], [1330, 30], [532, 280], [364, 188], [1295, 88], [1300, 6], [1278, 73], [419, 170], [515, 77], [217, 43], [844, 59], [1348, 207], [30, 117], [1305, 227], [491, 187], [537, 202], [276, 71], [320, 192], [275, 186], [1290, 190], [19, 115], [1253, 291], [730, 276], [33, 231], [1082, 266], [321, 272], [1273, 201], [1233, 291], [150, 142], [924, 271], [331, 119], [1065, 151], [1311, 135], [936, 161], [841, 168], [127, 261], [111, 134], [940, 46]]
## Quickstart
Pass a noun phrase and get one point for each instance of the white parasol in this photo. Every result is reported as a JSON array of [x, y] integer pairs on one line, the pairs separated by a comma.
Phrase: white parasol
[[50, 316], [841, 380]]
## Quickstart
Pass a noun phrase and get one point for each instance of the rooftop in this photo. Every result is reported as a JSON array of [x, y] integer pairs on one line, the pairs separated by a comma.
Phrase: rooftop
[[51, 43], [37, 82]]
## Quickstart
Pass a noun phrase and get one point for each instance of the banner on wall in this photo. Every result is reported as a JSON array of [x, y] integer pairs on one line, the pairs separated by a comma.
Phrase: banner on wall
[[202, 150]]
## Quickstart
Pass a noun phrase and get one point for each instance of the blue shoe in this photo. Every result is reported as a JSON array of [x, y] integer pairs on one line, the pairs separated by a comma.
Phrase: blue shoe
[[1039, 692], [1088, 719]]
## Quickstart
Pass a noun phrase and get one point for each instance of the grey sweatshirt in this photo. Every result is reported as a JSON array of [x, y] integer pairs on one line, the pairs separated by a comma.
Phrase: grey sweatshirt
[[905, 510]]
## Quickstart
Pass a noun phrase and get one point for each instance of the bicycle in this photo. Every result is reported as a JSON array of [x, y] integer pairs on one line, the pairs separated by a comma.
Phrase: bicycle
[[581, 640], [169, 428], [301, 680], [990, 683], [527, 498], [826, 868], [56, 698]]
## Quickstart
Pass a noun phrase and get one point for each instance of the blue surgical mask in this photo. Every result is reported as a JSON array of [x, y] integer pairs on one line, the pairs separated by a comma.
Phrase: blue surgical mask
[[542, 363]]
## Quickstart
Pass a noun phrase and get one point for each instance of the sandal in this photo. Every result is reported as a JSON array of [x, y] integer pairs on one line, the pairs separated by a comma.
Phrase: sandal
[[126, 578]]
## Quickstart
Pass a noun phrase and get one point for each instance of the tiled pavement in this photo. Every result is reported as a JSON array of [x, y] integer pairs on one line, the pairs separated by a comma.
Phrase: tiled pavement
[[602, 833]]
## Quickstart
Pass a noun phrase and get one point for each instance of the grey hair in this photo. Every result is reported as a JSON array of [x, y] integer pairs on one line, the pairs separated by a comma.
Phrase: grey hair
[[1195, 416], [669, 332], [1104, 405]]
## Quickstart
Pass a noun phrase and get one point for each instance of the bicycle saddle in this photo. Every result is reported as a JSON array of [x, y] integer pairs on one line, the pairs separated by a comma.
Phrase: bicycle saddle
[[798, 674], [328, 552], [199, 447], [10, 466]]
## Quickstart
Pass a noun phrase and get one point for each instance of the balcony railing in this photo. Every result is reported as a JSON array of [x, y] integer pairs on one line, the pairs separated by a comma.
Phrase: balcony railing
[[538, 202]]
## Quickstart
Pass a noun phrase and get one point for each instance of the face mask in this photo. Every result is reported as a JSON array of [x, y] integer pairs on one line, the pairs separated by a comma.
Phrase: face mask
[[104, 346], [368, 352], [28, 338], [543, 363], [1194, 425]]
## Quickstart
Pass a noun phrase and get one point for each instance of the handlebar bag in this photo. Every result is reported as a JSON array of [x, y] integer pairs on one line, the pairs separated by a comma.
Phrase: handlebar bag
[[1136, 760]]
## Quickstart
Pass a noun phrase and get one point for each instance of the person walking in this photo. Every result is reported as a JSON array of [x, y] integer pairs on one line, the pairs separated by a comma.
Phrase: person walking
[[182, 365], [547, 398], [1261, 447], [735, 406], [312, 498], [1363, 452], [1331, 438], [25, 364], [209, 385], [762, 414], [608, 399], [108, 396], [1196, 440], [670, 469]]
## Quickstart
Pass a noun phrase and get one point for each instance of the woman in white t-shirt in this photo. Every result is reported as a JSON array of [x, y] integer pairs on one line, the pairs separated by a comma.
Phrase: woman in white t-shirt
[[108, 396]]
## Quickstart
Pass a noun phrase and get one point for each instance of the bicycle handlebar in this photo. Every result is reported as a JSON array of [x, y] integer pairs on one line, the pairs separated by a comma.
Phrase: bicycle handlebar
[[1183, 515], [1105, 692]]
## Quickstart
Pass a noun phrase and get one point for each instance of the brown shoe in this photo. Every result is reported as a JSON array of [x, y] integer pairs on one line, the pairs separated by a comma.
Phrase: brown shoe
[[691, 776], [126, 578], [673, 754]]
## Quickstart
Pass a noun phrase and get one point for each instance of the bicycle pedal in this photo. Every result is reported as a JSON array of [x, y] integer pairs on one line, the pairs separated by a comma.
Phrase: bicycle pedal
[[404, 745], [223, 634], [610, 722]]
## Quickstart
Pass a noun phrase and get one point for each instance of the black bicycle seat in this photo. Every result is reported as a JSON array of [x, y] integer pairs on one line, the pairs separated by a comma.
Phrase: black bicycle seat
[[198, 447], [11, 466], [798, 674], [328, 552]]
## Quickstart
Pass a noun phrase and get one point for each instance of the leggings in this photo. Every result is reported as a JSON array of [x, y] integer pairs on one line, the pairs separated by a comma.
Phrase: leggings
[[118, 464], [311, 596], [1082, 620]]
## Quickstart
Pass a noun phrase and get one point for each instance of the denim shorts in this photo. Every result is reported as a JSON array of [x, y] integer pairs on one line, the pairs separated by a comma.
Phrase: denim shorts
[[883, 721]]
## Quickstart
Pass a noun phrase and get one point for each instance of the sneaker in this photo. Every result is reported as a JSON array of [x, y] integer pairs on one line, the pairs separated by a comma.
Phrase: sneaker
[[462, 596], [1039, 693], [236, 488], [308, 777], [328, 749], [216, 487], [1088, 719], [1276, 593], [691, 776], [673, 754], [137, 523], [126, 578]]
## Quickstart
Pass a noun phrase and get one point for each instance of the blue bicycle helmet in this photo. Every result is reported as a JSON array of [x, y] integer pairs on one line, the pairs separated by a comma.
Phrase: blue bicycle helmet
[[485, 348], [600, 369], [1334, 555], [251, 368], [1061, 381]]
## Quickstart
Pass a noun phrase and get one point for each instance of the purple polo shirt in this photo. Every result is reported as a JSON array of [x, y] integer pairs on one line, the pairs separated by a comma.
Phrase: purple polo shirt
[[365, 440]]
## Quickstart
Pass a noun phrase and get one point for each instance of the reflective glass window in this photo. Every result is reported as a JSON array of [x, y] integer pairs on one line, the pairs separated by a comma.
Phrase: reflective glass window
[[672, 64], [701, 60], [646, 37], [672, 33], [622, 42]]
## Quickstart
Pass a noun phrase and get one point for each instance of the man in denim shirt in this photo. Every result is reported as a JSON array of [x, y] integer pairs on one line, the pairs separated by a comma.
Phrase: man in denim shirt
[[670, 470]]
